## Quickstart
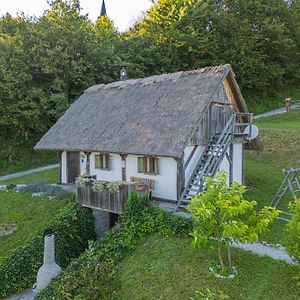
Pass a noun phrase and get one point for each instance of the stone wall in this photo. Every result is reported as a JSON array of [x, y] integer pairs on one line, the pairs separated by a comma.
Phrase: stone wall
[[101, 222]]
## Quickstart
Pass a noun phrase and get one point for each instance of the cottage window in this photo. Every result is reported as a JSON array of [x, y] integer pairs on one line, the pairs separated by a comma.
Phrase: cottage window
[[102, 161], [147, 165]]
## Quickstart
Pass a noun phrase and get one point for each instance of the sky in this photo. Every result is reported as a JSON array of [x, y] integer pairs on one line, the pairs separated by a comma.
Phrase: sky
[[122, 12]]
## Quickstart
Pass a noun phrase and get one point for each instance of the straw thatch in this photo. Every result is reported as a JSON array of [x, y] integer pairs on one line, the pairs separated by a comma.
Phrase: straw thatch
[[150, 116]]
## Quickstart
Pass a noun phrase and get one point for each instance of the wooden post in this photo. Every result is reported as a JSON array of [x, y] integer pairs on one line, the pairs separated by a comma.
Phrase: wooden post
[[60, 167], [88, 163], [230, 163], [123, 156], [180, 176]]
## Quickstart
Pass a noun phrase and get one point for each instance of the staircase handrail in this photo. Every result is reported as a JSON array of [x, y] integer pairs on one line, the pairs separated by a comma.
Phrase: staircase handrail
[[229, 125], [226, 132]]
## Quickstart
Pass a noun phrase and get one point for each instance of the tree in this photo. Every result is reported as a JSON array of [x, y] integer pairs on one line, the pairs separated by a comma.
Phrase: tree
[[46, 64], [221, 214], [260, 39]]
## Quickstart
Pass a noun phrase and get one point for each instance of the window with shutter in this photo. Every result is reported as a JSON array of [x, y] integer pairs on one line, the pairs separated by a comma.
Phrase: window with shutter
[[102, 161], [140, 164], [147, 165]]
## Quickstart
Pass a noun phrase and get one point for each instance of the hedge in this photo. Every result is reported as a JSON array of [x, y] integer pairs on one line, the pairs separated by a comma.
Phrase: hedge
[[91, 275], [73, 228]]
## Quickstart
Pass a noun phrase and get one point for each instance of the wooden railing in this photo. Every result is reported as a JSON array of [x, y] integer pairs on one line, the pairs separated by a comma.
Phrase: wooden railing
[[109, 201]]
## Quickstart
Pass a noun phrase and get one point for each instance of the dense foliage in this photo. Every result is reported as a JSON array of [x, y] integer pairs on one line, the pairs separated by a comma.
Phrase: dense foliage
[[222, 214], [293, 233], [73, 228], [47, 63], [90, 276]]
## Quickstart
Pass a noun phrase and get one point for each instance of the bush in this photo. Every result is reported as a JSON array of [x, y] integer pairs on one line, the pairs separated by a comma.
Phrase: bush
[[11, 187], [293, 232], [91, 275], [47, 190], [73, 228]]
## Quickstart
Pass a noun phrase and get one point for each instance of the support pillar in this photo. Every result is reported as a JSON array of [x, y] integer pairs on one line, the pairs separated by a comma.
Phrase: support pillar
[[123, 156], [88, 163]]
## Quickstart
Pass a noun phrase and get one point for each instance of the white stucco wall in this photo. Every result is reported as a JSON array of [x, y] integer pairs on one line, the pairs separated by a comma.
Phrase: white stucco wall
[[115, 172], [64, 178], [238, 163], [165, 181], [82, 163], [225, 166], [193, 162]]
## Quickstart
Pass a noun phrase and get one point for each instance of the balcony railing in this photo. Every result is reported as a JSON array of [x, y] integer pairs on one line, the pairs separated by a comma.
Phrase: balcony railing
[[110, 201]]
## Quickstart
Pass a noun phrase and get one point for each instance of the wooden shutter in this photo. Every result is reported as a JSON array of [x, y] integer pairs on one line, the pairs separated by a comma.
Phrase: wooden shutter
[[97, 161], [108, 162], [156, 171], [140, 164]]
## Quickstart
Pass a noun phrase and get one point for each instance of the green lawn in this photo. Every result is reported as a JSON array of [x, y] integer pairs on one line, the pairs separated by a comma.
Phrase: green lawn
[[27, 159], [282, 121], [264, 105], [169, 268], [280, 136], [29, 213], [48, 176]]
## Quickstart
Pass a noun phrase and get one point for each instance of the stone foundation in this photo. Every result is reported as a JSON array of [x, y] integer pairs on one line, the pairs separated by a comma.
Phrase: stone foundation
[[101, 222]]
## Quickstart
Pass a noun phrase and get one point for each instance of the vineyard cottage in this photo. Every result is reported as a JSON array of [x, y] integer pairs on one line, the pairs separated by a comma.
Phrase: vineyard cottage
[[172, 130]]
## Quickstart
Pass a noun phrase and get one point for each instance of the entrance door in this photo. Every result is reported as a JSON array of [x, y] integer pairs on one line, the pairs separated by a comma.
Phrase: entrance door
[[113, 218], [73, 166]]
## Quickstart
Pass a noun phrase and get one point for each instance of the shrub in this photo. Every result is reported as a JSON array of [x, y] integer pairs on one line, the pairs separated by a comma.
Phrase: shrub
[[207, 294], [47, 190], [91, 275], [221, 214], [73, 228], [293, 232], [11, 187]]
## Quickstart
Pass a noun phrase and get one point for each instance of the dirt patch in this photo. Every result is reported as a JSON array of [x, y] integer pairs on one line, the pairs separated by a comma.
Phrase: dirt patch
[[6, 229]]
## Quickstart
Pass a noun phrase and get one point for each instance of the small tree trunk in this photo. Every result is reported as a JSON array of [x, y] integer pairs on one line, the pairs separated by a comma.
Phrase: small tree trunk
[[220, 254], [229, 256]]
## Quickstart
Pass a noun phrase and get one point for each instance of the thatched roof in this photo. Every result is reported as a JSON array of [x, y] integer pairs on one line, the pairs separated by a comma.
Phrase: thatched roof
[[149, 116]]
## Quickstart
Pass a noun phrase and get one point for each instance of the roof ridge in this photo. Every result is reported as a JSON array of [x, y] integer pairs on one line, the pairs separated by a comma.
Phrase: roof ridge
[[159, 78]]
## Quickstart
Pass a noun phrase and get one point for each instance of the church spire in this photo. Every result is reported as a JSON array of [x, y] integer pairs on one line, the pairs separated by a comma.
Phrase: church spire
[[103, 9]]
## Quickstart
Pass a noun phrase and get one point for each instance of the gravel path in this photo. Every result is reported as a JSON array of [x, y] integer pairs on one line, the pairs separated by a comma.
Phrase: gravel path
[[23, 173], [277, 253], [275, 111]]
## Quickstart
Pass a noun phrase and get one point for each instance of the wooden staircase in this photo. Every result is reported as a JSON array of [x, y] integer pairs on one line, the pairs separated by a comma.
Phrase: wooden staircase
[[211, 160]]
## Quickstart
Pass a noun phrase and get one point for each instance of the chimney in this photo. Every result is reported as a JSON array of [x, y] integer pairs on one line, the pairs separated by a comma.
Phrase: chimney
[[123, 74], [49, 269]]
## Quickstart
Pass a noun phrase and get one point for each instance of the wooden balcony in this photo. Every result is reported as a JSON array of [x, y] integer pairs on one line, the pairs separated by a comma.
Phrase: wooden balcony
[[110, 201]]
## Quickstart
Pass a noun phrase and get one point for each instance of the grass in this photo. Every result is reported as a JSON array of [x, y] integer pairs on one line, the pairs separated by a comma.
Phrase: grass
[[169, 268], [280, 136], [49, 176], [27, 159], [260, 106], [29, 213]]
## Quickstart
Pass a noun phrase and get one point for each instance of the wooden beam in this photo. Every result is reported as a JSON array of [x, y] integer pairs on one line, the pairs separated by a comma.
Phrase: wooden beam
[[88, 163], [180, 176], [230, 159], [60, 167], [190, 157], [123, 157]]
